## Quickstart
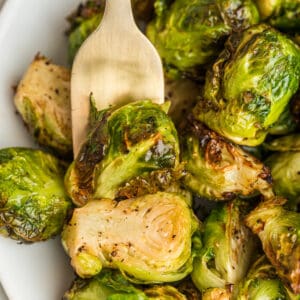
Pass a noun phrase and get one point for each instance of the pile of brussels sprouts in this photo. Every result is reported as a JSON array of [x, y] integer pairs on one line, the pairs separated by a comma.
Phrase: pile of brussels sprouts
[[199, 200]]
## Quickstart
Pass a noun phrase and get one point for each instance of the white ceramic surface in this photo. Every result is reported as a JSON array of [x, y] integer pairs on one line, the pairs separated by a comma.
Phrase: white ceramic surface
[[39, 271]]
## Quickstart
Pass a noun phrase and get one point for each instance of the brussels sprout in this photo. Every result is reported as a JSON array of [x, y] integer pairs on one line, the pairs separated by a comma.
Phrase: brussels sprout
[[147, 238], [279, 232], [285, 169], [132, 150], [189, 34], [228, 247], [183, 95], [33, 203], [285, 143], [87, 17], [285, 124], [250, 85], [284, 166], [218, 170], [111, 284], [43, 101], [282, 14], [262, 282]]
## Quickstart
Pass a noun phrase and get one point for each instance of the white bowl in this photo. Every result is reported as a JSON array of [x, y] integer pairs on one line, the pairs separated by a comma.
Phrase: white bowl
[[38, 271]]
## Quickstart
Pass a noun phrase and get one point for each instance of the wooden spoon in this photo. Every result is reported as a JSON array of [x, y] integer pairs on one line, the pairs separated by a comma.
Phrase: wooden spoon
[[118, 64]]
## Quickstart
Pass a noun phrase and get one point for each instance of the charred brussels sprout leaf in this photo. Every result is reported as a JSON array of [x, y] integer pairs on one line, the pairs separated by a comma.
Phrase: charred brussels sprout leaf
[[129, 148], [189, 34], [149, 239], [112, 285], [262, 282], [33, 203], [282, 14], [228, 247], [279, 232], [250, 85], [219, 170]]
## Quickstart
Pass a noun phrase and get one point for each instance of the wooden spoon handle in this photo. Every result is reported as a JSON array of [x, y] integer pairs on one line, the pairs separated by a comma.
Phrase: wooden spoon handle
[[118, 14]]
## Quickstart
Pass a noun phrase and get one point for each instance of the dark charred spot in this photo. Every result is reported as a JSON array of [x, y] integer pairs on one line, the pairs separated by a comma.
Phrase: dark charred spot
[[114, 253], [228, 195]]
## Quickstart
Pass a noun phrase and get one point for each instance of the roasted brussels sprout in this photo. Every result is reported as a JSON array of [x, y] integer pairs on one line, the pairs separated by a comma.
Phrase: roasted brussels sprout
[[285, 167], [33, 203], [282, 14], [250, 85], [262, 282], [279, 232], [43, 101], [132, 150], [228, 247], [217, 169], [285, 143], [111, 284], [285, 124], [190, 34], [149, 239]]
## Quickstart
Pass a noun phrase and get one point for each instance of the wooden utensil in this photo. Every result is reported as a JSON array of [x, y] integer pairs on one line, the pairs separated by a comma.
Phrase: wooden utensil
[[117, 63]]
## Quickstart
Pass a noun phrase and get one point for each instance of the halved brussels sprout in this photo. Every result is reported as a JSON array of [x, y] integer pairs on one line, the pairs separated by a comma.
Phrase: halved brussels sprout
[[149, 239], [228, 248], [279, 232], [219, 170], [250, 85], [43, 101], [282, 14], [111, 284], [33, 202], [190, 34], [132, 150], [262, 282]]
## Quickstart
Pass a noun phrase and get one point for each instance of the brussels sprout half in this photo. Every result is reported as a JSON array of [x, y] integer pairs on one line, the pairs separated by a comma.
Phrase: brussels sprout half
[[189, 34], [149, 239], [279, 232], [262, 282], [33, 202], [219, 170], [250, 85], [131, 149], [112, 285], [228, 248], [43, 100]]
